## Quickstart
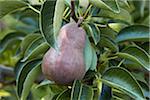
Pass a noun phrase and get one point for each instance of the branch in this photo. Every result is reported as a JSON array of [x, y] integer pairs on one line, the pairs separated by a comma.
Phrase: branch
[[73, 10]]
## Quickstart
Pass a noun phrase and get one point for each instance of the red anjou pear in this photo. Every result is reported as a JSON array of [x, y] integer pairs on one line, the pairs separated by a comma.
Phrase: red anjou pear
[[67, 64]]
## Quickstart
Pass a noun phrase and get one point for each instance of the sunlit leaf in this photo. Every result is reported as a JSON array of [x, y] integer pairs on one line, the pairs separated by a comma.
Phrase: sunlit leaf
[[58, 15]]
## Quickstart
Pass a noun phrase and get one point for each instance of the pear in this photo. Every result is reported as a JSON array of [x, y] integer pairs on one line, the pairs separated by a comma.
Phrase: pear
[[67, 63]]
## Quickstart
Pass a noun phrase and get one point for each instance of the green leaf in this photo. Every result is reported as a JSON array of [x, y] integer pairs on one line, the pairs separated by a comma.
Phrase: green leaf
[[30, 78], [47, 90], [95, 32], [36, 48], [9, 39], [145, 89], [35, 52], [107, 31], [11, 44], [46, 22], [133, 33], [27, 41], [94, 60], [81, 92], [123, 15], [123, 80], [109, 43], [117, 26], [33, 45], [106, 4], [139, 6], [58, 15], [7, 7], [88, 54], [137, 55], [64, 95], [23, 73]]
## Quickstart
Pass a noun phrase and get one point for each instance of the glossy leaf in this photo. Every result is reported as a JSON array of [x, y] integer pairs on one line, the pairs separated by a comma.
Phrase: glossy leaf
[[94, 60], [123, 15], [11, 44], [23, 73], [117, 26], [30, 78], [107, 31], [88, 54], [95, 32], [108, 5], [46, 22], [58, 15], [33, 45], [109, 43], [106, 92], [28, 40], [145, 89], [133, 33], [81, 92], [9, 38], [7, 7], [121, 79], [64, 95], [12, 35], [140, 5], [137, 55], [37, 51], [19, 65]]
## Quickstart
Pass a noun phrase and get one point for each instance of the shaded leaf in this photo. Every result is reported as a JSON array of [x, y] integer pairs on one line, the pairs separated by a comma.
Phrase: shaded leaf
[[94, 60], [64, 95], [95, 33], [30, 78], [121, 79], [133, 33], [106, 93], [123, 15], [109, 43], [81, 92], [36, 52], [107, 31], [46, 22], [106, 4], [88, 54], [28, 40], [10, 38], [137, 55], [7, 7], [139, 6], [23, 73]]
